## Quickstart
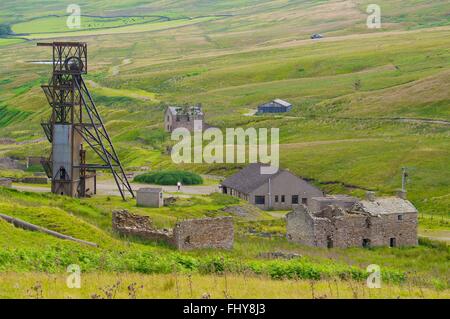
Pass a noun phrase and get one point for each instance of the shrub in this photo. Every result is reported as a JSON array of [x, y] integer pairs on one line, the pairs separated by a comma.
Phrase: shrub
[[35, 168], [5, 30], [169, 178]]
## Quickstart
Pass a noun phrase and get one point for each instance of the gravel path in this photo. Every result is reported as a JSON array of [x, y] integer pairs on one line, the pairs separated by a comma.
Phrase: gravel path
[[108, 187]]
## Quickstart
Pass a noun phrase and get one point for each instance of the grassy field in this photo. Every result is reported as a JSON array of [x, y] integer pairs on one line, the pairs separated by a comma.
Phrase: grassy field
[[336, 135], [366, 104], [170, 286], [124, 28], [23, 251], [56, 24], [9, 41]]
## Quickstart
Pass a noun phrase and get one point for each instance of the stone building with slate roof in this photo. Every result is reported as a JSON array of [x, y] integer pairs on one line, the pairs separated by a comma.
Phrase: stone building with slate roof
[[343, 221], [280, 191]]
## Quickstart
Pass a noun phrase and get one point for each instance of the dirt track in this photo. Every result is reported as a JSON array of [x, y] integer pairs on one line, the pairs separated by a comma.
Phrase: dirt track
[[108, 187]]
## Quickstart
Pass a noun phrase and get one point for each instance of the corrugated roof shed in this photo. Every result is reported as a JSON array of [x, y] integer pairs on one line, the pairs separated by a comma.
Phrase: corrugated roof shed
[[282, 102]]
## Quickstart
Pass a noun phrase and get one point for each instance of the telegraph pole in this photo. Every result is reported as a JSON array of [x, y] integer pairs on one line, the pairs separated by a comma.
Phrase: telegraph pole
[[404, 178]]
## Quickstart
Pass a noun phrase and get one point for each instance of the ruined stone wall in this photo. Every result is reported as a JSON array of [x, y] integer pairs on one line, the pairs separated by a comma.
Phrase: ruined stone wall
[[189, 234], [323, 232], [6, 141], [10, 163], [204, 233], [300, 227], [35, 180], [34, 160], [5, 182], [316, 204], [127, 224], [352, 229], [339, 231], [184, 121], [403, 230]]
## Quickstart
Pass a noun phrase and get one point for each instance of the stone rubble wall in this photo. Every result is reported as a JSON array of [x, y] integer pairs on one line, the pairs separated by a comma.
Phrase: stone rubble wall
[[122, 219], [5, 182], [10, 163], [350, 229], [128, 224], [34, 180], [189, 234], [300, 227], [204, 233]]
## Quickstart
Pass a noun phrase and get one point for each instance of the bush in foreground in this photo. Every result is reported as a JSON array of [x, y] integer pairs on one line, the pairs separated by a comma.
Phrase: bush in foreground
[[169, 178]]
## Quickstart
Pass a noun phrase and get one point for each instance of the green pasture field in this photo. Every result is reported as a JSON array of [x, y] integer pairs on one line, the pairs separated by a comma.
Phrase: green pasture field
[[365, 104], [56, 24], [23, 251]]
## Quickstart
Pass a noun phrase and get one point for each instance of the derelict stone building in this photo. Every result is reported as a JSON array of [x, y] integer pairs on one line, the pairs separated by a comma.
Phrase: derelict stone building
[[345, 222], [203, 233], [183, 117]]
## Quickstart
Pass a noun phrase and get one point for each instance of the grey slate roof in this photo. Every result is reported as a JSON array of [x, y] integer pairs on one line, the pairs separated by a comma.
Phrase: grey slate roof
[[248, 179], [387, 205], [335, 197]]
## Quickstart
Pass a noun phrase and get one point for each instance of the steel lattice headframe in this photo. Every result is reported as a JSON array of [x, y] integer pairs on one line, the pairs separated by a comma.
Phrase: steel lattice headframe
[[72, 103]]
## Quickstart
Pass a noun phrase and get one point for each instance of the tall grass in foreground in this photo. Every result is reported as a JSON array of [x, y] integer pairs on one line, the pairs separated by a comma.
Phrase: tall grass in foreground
[[176, 285]]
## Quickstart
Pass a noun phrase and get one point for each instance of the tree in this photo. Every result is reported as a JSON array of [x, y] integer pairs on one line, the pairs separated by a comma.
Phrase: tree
[[5, 30]]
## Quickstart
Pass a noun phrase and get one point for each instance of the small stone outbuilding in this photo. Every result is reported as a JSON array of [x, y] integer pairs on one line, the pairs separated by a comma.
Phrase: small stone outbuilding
[[150, 197]]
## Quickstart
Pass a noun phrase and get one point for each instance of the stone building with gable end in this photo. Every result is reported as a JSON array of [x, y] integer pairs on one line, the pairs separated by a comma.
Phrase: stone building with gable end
[[280, 191], [346, 222], [188, 117]]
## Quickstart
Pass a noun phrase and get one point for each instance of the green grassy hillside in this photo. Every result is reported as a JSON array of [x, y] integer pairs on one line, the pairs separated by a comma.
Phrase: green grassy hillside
[[266, 21], [91, 220], [366, 103], [335, 133]]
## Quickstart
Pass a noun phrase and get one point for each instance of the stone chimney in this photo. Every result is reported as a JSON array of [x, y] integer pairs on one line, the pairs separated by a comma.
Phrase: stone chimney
[[370, 196], [402, 194]]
